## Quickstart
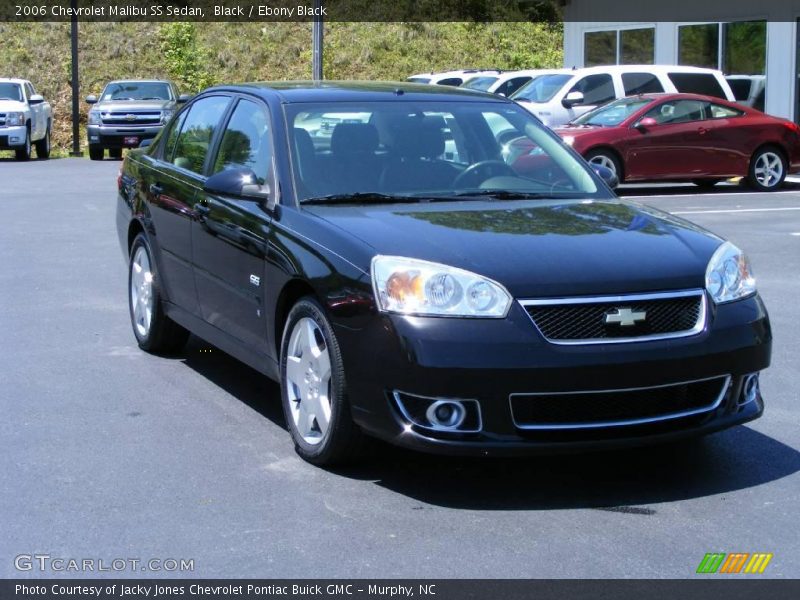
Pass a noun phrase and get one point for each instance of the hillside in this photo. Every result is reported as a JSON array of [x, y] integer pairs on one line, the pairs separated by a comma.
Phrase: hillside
[[198, 55]]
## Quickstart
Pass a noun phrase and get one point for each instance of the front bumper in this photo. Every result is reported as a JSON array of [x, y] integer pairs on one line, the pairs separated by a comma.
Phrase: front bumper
[[108, 136], [13, 137], [491, 360]]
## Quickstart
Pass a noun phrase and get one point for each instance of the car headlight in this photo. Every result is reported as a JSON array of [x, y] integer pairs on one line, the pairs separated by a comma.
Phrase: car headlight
[[94, 117], [166, 116], [15, 119], [569, 140], [729, 275], [418, 287]]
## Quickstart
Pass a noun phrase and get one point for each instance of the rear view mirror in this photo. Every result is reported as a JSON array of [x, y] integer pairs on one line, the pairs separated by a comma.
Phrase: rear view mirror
[[239, 183], [91, 99], [572, 99], [606, 175], [646, 123]]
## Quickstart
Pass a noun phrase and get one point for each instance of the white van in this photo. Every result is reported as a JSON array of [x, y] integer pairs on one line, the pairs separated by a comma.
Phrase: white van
[[505, 83], [557, 99]]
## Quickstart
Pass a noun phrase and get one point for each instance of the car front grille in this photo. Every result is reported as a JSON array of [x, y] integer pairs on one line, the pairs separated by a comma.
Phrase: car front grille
[[133, 118], [609, 408], [614, 319]]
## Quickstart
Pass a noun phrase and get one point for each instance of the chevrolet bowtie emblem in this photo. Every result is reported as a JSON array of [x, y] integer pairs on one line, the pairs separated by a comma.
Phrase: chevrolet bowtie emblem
[[130, 117], [625, 317]]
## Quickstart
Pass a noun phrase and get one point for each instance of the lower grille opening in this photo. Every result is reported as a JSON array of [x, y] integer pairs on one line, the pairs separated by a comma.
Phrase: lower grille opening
[[610, 408]]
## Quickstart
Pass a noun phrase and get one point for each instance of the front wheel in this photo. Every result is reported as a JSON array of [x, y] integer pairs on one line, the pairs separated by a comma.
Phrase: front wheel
[[115, 153], [313, 388], [24, 153], [43, 146], [96, 152], [154, 330], [607, 159], [767, 170]]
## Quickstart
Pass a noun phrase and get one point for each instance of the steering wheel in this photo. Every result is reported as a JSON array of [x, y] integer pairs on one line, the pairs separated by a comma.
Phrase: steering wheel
[[481, 171]]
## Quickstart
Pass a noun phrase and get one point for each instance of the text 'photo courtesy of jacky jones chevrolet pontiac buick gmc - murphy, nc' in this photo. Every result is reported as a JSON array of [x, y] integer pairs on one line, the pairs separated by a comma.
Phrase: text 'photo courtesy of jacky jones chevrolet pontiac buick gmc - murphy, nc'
[[379, 250]]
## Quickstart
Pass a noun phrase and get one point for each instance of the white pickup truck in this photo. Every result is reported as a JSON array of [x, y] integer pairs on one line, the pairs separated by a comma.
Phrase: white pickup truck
[[25, 119]]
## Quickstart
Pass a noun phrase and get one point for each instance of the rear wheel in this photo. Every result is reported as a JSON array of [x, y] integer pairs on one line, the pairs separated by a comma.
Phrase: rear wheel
[[154, 330], [115, 153], [24, 153], [96, 152], [43, 146], [767, 169], [313, 388], [607, 159]]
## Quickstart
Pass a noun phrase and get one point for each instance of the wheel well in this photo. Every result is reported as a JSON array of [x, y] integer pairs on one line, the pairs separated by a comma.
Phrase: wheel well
[[610, 150], [774, 145], [134, 229], [290, 294]]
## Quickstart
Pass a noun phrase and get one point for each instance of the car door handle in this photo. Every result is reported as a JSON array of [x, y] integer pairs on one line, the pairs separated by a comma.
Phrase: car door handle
[[702, 131], [155, 189]]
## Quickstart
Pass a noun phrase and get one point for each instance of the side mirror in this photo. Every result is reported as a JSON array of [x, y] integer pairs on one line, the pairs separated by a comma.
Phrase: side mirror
[[91, 99], [572, 99], [183, 98], [606, 175], [36, 99], [145, 143], [646, 123], [239, 183]]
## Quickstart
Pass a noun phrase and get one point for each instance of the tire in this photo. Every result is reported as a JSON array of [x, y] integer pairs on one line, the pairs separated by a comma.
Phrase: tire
[[767, 169], [96, 152], [43, 146], [24, 153], [155, 332], [706, 183], [607, 159], [115, 153], [314, 390]]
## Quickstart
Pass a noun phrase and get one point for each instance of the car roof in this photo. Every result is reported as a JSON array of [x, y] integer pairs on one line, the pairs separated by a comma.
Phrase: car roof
[[454, 73], [12, 80], [140, 81], [642, 68], [354, 91]]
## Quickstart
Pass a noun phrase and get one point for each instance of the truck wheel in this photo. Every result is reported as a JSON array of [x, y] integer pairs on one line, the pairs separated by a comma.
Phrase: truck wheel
[[24, 153], [43, 146], [96, 152], [115, 153]]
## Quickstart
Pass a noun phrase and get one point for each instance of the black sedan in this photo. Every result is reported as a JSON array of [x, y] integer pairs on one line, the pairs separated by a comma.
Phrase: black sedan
[[384, 253]]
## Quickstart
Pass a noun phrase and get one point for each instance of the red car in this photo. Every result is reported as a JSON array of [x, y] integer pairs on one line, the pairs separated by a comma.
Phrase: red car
[[686, 137]]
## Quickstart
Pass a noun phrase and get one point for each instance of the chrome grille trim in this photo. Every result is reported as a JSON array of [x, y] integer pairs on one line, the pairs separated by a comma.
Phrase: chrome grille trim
[[699, 326], [726, 384]]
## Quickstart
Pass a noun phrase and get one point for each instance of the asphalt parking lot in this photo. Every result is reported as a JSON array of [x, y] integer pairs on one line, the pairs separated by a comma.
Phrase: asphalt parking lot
[[109, 452]]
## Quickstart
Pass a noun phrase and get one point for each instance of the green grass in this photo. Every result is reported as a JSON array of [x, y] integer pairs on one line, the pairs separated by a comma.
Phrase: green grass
[[199, 54]]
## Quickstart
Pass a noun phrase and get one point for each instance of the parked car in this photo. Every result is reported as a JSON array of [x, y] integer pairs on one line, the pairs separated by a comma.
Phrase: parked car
[[451, 78], [559, 98], [507, 82], [129, 112], [748, 89], [449, 306], [26, 119], [686, 137]]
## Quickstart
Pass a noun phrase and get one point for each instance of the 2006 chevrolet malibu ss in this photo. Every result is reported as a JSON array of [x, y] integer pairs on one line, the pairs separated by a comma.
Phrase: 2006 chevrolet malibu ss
[[435, 268]]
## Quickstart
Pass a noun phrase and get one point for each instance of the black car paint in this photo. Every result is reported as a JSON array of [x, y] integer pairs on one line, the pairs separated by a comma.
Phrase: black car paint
[[208, 247]]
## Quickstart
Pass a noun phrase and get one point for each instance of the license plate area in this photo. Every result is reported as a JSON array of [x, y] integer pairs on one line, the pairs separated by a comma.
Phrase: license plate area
[[130, 140]]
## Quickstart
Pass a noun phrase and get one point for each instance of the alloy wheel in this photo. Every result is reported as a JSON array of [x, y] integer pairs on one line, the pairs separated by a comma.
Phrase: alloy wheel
[[141, 292], [769, 169], [604, 161], [308, 378]]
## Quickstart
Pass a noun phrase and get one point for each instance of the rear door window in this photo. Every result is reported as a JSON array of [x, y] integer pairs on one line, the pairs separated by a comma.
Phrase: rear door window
[[678, 111], [192, 145], [512, 85], [596, 89], [718, 111], [697, 83], [641, 83]]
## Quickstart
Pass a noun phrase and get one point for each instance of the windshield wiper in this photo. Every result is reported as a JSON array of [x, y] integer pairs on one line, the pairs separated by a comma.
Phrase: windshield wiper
[[153, 98], [367, 197], [506, 195]]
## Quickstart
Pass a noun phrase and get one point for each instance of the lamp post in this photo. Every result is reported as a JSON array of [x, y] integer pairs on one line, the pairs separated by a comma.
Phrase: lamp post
[[316, 39], [76, 143]]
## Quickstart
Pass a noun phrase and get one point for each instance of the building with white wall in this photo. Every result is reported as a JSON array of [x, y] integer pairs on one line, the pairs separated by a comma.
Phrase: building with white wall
[[755, 39]]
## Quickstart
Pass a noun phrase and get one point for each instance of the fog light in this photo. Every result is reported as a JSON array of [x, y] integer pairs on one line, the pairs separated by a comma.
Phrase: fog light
[[440, 414], [750, 389], [446, 414]]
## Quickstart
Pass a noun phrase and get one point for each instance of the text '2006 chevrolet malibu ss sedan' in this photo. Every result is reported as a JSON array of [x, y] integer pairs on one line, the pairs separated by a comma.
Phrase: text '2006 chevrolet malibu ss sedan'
[[385, 252]]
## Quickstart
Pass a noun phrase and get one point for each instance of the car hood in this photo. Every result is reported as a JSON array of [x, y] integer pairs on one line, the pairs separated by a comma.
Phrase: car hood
[[540, 249], [12, 106], [131, 105], [580, 130]]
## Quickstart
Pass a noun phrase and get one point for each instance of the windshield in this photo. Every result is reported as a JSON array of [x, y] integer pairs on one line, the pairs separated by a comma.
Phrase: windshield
[[479, 83], [432, 151], [137, 90], [10, 91], [542, 88], [612, 114]]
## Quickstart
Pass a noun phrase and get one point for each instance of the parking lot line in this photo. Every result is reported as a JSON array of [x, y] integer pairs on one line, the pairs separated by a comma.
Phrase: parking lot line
[[733, 210]]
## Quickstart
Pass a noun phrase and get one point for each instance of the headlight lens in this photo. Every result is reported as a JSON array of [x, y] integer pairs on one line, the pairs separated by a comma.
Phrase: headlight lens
[[418, 287], [569, 140], [729, 275], [166, 116], [15, 119], [94, 117]]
